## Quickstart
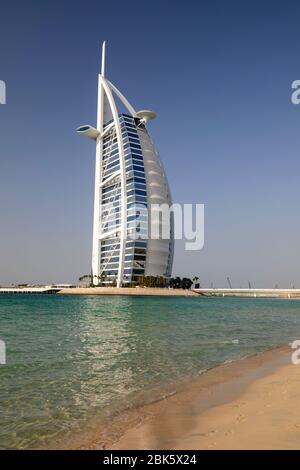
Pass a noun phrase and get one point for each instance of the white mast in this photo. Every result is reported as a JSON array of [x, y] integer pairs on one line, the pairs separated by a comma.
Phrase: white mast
[[103, 59], [98, 176]]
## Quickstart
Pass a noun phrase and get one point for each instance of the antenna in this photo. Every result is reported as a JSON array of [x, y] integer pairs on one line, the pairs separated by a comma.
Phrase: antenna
[[229, 283], [249, 284], [103, 59]]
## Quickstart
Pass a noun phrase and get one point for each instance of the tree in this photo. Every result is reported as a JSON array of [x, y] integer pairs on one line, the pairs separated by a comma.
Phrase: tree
[[86, 277], [151, 281], [175, 283], [102, 278], [91, 278], [186, 283], [178, 283]]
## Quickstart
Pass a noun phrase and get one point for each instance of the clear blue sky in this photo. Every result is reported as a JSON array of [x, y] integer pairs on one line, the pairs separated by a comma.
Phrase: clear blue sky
[[219, 76]]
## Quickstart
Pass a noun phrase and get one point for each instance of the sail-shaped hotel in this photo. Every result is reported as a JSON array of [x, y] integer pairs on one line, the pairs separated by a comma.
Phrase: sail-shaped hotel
[[128, 175]]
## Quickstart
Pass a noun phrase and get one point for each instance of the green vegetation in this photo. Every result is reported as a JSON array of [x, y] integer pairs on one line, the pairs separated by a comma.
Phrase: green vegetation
[[142, 281], [178, 283], [91, 279], [87, 278], [152, 281], [160, 281]]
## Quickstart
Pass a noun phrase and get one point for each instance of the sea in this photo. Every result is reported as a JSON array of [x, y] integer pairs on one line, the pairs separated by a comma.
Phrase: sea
[[74, 359]]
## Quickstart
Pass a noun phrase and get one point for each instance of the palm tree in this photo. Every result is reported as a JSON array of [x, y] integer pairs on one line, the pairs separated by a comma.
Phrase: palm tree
[[186, 283], [87, 277]]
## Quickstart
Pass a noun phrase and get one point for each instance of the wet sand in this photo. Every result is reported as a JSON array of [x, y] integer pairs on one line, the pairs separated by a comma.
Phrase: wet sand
[[249, 404]]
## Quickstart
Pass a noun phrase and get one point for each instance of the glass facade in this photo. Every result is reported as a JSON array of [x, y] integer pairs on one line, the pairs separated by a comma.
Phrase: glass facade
[[110, 203]]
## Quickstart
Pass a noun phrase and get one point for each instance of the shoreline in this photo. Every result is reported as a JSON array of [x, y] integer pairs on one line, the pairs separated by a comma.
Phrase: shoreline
[[232, 406], [288, 294], [220, 408], [143, 291]]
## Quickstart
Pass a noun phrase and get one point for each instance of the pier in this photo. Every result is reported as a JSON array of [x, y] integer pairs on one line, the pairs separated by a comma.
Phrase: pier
[[28, 290], [268, 293]]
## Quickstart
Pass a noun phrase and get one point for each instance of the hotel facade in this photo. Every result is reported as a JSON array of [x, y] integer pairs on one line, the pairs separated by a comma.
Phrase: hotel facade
[[129, 180]]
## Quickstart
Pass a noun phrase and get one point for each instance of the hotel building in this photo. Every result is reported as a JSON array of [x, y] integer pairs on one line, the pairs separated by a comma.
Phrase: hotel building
[[129, 178]]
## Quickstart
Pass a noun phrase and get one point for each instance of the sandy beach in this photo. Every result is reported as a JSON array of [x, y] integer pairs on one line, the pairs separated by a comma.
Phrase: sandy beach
[[250, 404], [203, 292], [129, 291]]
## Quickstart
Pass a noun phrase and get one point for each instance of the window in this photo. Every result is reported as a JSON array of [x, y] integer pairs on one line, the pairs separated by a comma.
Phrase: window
[[140, 180], [135, 146]]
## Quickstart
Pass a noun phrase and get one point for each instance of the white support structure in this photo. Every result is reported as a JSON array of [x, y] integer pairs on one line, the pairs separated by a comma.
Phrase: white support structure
[[110, 178], [107, 90], [105, 100]]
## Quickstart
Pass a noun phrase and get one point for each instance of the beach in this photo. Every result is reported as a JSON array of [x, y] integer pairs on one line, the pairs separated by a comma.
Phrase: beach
[[250, 404], [155, 291], [199, 292]]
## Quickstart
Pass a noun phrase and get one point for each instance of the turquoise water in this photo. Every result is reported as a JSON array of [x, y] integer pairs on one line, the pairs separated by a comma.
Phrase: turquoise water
[[74, 358]]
